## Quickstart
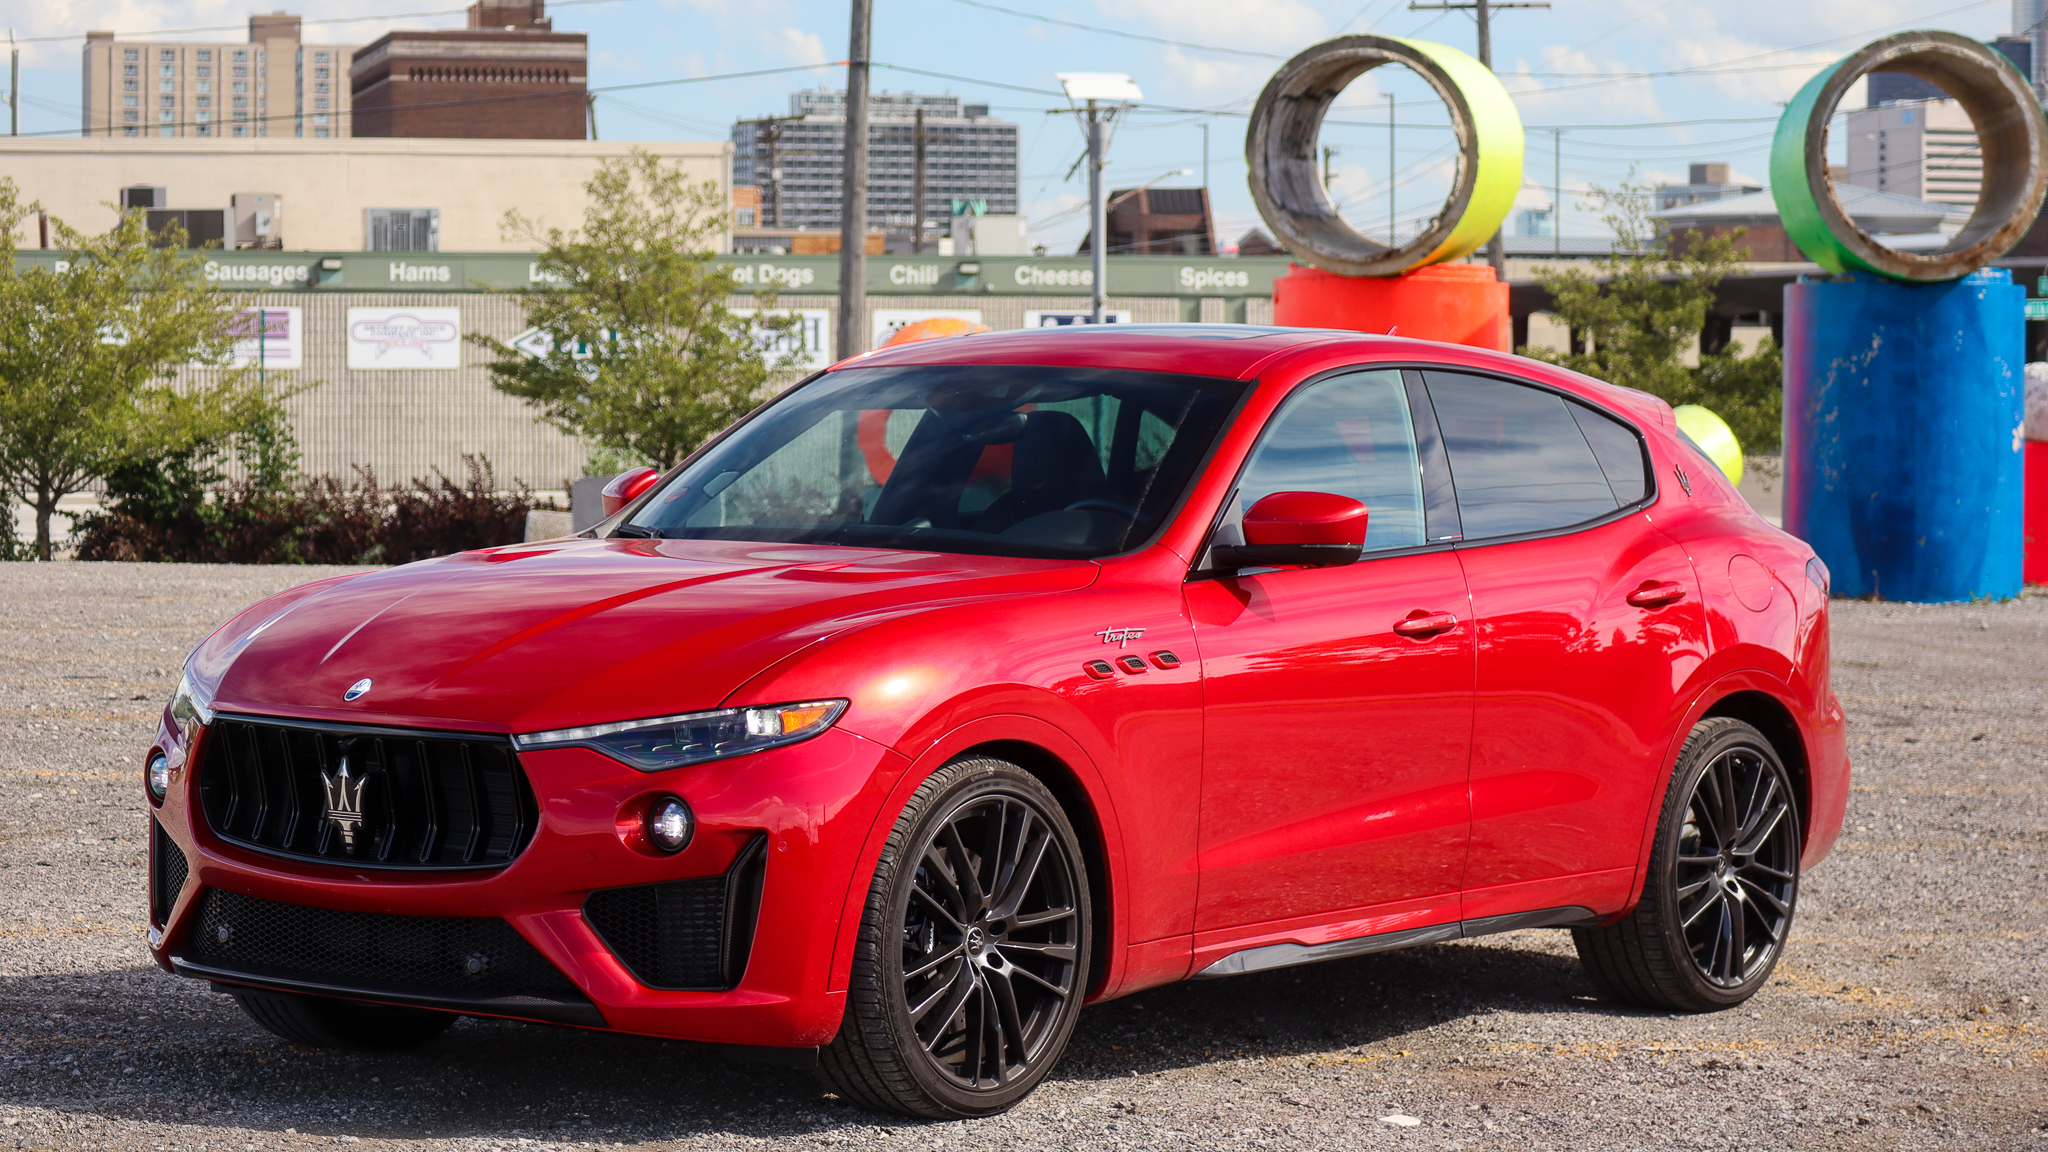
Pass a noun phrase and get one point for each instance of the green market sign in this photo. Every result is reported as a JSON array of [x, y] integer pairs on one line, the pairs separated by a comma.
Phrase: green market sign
[[272, 271]]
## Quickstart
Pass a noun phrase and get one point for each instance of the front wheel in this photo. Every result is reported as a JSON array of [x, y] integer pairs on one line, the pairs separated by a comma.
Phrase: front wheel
[[972, 958], [1724, 876]]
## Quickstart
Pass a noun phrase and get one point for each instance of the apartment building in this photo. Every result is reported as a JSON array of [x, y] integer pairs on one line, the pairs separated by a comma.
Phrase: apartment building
[[273, 85], [795, 160]]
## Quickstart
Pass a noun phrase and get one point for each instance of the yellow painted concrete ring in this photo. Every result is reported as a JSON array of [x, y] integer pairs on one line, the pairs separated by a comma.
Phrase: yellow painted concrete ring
[[1286, 181], [2010, 127]]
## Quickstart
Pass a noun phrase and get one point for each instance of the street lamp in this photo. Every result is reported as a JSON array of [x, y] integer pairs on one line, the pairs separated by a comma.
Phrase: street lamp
[[1103, 95]]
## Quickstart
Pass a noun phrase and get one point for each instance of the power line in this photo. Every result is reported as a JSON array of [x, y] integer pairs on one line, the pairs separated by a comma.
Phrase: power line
[[1118, 32]]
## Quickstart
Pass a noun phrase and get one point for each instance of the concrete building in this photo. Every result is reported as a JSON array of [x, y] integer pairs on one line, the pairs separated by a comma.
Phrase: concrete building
[[271, 86], [1704, 183], [340, 195], [970, 160], [509, 75], [1893, 87], [1921, 149]]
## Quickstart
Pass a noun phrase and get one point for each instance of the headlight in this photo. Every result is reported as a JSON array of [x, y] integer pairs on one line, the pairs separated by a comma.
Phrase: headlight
[[694, 737], [189, 711]]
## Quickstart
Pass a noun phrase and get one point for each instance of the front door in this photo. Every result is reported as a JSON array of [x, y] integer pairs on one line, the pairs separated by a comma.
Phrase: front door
[[1337, 701]]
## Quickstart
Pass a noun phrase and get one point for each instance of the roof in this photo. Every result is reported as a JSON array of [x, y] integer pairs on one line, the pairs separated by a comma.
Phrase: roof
[[1870, 209]]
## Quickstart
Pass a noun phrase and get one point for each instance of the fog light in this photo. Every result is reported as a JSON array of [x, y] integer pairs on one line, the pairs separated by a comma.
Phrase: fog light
[[669, 824], [158, 777]]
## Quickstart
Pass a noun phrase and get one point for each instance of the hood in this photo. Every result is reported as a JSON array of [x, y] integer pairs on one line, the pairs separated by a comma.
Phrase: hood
[[532, 637]]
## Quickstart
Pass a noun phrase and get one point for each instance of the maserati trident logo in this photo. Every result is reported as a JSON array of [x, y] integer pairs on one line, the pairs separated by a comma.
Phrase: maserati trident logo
[[344, 803], [356, 690]]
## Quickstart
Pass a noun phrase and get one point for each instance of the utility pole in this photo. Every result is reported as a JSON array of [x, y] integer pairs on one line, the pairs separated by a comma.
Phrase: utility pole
[[917, 184], [1390, 171], [13, 88], [1557, 191], [1496, 253], [1205, 153], [853, 203], [1329, 150], [1098, 213], [768, 131]]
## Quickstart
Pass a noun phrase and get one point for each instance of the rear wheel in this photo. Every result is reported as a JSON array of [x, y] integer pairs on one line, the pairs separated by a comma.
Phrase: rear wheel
[[1724, 877], [972, 958], [325, 1022]]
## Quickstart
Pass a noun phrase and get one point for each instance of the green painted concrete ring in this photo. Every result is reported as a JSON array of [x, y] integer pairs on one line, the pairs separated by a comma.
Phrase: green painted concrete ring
[[2010, 127], [1287, 184]]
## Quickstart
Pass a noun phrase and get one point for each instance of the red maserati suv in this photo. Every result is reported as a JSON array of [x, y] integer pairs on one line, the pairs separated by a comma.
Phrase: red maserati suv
[[974, 680]]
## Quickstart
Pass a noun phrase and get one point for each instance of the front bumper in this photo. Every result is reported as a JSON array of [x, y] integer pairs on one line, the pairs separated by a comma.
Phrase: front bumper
[[805, 810]]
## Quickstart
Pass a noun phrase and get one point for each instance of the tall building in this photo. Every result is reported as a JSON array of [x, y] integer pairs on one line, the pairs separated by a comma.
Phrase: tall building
[[508, 76], [273, 85], [970, 160], [1923, 149]]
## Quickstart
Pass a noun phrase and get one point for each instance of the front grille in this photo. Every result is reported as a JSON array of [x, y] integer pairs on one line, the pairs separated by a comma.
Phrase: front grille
[[685, 934], [456, 958], [369, 797], [167, 871]]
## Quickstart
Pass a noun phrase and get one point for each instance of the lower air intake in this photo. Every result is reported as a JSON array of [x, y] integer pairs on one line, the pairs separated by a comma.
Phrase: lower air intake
[[167, 872], [685, 935]]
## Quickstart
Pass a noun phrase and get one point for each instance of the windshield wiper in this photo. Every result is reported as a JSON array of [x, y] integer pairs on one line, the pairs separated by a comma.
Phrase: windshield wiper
[[637, 532]]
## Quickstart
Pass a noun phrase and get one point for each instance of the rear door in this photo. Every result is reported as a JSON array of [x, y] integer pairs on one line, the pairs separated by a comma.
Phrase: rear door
[[1588, 625]]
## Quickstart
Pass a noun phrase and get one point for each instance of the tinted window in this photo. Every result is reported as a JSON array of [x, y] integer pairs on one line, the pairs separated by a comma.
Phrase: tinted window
[[1518, 459], [994, 459], [1349, 435], [1619, 452]]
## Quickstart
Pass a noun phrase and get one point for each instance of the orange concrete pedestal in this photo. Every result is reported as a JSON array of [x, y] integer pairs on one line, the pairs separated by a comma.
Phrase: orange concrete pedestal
[[1454, 303]]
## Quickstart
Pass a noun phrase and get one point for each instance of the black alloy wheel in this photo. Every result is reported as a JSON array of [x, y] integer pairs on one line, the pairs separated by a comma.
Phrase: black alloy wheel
[[973, 955], [1724, 877]]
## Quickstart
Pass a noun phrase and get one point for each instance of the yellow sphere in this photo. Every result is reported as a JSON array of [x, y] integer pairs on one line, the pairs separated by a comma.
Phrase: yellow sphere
[[1713, 435]]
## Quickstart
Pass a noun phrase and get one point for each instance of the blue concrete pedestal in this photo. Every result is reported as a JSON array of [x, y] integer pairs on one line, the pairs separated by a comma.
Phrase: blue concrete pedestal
[[1903, 405]]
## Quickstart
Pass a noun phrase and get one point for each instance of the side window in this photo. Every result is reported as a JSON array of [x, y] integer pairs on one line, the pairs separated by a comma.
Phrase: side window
[[1349, 435], [1518, 457], [1619, 451]]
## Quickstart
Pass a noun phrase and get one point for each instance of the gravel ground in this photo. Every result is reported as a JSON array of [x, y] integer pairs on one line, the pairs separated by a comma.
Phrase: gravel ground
[[1907, 1014]]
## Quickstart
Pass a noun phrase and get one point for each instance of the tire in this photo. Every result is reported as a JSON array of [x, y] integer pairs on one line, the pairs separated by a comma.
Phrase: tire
[[325, 1022], [966, 982], [1716, 907]]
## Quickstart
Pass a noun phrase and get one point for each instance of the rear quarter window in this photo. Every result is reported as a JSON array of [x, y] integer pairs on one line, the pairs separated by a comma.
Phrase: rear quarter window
[[1525, 460]]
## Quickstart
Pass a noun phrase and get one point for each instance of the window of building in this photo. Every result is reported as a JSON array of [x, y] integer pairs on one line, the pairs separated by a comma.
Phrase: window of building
[[241, 55], [205, 101], [241, 102], [204, 130], [204, 70], [320, 89], [320, 104], [167, 101], [131, 70], [131, 131], [320, 57], [131, 117], [167, 54], [131, 101], [131, 54], [167, 85], [167, 71], [204, 55], [239, 86], [202, 117], [320, 132], [321, 73], [204, 86]]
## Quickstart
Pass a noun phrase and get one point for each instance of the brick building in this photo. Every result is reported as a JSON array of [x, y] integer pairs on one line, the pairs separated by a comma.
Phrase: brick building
[[1159, 222], [508, 75]]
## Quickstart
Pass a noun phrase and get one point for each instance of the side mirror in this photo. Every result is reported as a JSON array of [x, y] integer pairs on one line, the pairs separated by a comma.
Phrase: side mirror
[[626, 487], [1305, 529]]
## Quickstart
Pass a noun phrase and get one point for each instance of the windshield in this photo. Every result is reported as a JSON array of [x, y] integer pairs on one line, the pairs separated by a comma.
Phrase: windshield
[[991, 459]]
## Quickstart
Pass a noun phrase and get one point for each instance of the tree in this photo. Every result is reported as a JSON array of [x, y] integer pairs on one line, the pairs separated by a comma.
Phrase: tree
[[646, 359], [1642, 310], [89, 349]]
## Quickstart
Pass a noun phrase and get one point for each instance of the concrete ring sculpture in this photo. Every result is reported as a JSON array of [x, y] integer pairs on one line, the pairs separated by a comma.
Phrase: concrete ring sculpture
[[1288, 188], [2010, 128]]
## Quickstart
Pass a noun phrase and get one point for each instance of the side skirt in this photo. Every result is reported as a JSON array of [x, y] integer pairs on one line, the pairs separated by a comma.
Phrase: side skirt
[[1289, 955]]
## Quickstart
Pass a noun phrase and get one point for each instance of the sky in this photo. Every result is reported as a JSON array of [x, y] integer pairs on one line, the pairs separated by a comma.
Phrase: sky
[[1640, 88]]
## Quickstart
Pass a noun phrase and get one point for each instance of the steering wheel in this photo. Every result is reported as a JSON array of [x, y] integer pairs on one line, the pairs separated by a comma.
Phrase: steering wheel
[[1104, 504]]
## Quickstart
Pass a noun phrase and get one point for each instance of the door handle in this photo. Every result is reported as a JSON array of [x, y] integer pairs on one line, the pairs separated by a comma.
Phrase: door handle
[[1657, 593], [1425, 625]]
